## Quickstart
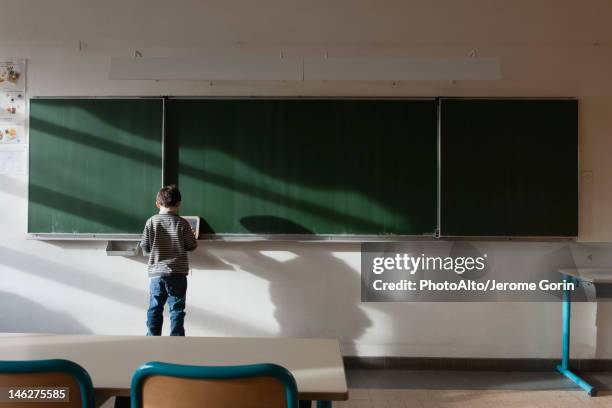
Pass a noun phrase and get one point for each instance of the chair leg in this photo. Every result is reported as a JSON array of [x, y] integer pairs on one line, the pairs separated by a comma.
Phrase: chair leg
[[122, 402]]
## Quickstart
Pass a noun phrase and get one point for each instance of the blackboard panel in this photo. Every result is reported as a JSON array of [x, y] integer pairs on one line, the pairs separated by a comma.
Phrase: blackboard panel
[[509, 167], [273, 166], [95, 165]]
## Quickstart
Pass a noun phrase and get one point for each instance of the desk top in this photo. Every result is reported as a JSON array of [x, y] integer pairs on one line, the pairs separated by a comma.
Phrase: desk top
[[316, 364], [593, 275]]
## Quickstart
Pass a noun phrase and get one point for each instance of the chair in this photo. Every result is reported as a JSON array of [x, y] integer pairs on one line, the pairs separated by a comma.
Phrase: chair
[[43, 374], [157, 385]]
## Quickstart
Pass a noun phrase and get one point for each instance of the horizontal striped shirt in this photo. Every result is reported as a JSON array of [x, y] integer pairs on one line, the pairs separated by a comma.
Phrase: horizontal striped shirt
[[166, 239]]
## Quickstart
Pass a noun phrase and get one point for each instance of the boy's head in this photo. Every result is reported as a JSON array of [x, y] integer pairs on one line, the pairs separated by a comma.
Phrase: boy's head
[[169, 197]]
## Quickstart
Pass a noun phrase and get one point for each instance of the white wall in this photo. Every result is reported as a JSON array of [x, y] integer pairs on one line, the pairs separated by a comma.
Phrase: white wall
[[546, 48]]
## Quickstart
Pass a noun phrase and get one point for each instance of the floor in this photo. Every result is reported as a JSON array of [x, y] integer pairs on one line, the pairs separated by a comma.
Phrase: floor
[[463, 389], [412, 398], [469, 380], [478, 389]]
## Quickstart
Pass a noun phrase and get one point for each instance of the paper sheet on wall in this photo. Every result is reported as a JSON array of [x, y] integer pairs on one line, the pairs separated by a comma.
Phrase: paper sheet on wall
[[12, 107], [11, 134], [12, 75], [14, 160]]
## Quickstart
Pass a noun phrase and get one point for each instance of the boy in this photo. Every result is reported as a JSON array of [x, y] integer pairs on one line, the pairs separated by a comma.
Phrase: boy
[[166, 239]]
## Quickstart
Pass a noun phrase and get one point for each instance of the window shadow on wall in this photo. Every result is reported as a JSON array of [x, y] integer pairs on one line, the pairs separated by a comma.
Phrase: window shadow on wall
[[127, 218], [314, 293], [106, 288], [357, 151], [22, 315]]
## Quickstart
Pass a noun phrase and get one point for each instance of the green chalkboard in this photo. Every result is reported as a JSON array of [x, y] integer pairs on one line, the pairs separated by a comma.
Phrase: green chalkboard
[[509, 167], [306, 166], [95, 164]]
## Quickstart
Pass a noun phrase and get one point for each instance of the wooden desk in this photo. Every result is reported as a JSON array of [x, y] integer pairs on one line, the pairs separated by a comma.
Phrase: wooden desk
[[592, 275], [316, 364]]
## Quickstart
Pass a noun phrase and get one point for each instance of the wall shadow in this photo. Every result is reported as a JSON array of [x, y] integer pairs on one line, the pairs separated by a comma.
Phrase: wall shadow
[[73, 277], [22, 315], [298, 284], [13, 186], [201, 258]]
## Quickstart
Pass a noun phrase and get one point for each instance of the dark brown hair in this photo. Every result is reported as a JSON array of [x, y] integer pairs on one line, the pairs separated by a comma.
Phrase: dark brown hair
[[169, 196]]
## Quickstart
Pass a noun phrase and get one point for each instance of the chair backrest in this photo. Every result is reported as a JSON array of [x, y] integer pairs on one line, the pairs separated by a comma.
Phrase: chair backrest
[[157, 385], [45, 375]]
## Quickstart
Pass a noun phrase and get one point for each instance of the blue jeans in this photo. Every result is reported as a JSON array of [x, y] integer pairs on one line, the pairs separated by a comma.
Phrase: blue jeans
[[174, 290]]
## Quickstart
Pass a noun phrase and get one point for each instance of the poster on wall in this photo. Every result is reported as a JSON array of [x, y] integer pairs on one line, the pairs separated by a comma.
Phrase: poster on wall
[[12, 75], [14, 160], [12, 107], [11, 134]]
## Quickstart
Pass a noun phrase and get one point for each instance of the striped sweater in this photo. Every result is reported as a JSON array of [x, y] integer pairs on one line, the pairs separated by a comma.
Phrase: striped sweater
[[166, 239]]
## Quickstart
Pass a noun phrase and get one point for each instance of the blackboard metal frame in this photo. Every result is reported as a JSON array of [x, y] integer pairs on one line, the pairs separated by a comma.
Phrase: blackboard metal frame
[[436, 235], [303, 97], [356, 238], [53, 236], [230, 237], [300, 238], [163, 142], [237, 237]]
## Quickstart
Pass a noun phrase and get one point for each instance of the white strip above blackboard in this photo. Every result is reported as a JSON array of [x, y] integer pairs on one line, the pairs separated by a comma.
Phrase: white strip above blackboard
[[209, 69], [402, 69], [291, 69]]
